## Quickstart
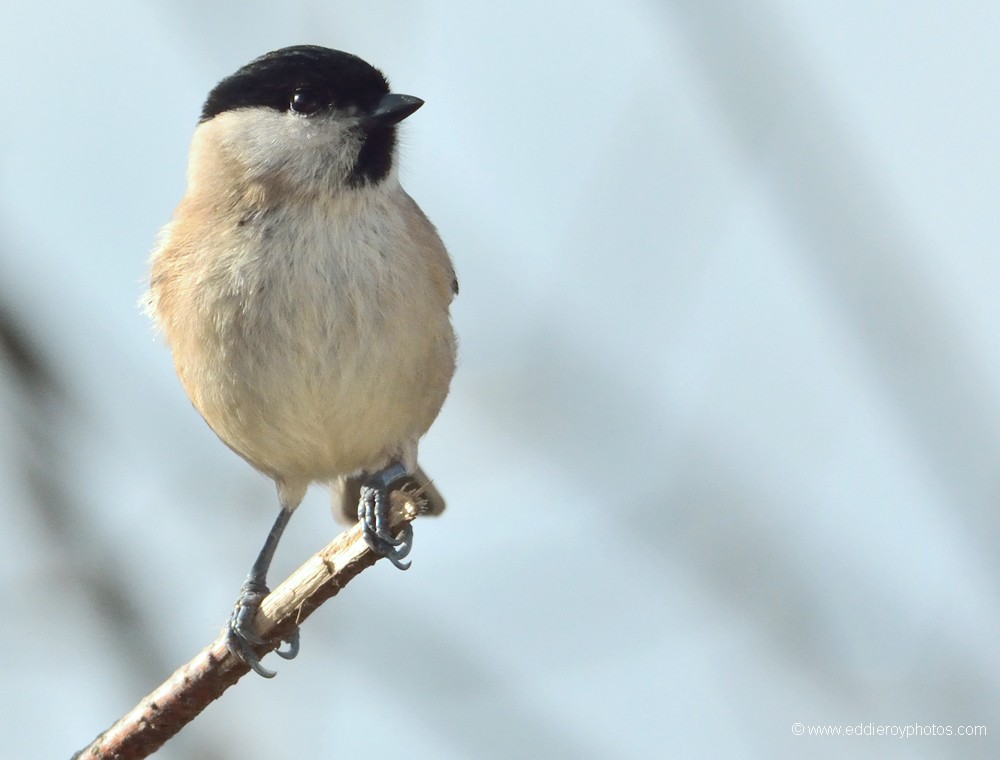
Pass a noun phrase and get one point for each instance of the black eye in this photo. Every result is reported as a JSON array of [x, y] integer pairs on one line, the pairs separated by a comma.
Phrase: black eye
[[305, 101]]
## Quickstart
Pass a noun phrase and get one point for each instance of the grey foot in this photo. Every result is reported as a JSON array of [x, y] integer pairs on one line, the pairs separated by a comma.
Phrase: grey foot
[[373, 512], [240, 636]]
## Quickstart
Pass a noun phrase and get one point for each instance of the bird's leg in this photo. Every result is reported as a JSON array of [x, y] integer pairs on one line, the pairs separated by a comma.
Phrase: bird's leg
[[241, 637], [373, 512]]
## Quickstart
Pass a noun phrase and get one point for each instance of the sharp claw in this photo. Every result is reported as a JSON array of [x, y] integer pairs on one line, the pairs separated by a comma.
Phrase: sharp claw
[[241, 637], [293, 646], [405, 545], [386, 537], [405, 542], [394, 553], [399, 565], [240, 648]]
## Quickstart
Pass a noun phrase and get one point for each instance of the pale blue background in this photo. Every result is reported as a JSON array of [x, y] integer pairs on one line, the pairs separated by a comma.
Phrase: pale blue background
[[721, 454]]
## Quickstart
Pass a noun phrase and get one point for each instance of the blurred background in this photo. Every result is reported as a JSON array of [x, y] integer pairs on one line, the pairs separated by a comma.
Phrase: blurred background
[[721, 454]]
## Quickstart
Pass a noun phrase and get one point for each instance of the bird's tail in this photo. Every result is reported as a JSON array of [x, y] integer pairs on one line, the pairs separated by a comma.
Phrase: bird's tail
[[346, 493]]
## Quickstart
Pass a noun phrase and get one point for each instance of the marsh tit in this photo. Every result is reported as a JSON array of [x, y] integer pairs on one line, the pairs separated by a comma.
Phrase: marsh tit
[[305, 295]]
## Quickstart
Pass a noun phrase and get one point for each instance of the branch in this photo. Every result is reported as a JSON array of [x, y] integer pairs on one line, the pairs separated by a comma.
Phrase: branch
[[192, 687]]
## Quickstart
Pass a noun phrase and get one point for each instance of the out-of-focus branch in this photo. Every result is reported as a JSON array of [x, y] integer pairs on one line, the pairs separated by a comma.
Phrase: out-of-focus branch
[[192, 687]]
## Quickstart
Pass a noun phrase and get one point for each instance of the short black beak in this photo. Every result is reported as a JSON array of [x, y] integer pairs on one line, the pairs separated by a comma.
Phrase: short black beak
[[392, 109]]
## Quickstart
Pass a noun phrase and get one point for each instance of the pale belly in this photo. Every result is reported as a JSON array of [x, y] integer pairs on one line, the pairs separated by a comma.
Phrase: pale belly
[[306, 393]]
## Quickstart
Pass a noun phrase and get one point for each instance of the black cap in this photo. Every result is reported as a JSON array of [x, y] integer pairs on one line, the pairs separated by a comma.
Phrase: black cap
[[338, 79]]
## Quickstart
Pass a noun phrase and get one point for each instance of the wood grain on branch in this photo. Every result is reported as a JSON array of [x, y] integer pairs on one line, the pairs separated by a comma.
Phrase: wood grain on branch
[[192, 687]]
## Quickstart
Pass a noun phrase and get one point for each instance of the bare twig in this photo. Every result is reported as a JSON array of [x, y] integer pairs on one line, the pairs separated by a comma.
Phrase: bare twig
[[192, 687]]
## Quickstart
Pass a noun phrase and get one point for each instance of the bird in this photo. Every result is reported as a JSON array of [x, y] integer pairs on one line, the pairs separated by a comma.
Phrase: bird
[[305, 296]]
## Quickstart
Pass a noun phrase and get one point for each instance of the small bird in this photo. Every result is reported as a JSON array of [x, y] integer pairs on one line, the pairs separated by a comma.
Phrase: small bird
[[305, 296]]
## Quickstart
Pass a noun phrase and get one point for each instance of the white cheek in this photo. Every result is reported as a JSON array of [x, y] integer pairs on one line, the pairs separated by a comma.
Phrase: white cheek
[[266, 142]]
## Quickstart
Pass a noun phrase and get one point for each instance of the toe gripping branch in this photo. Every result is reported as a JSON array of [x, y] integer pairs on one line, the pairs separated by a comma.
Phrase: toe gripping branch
[[373, 512], [241, 637]]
